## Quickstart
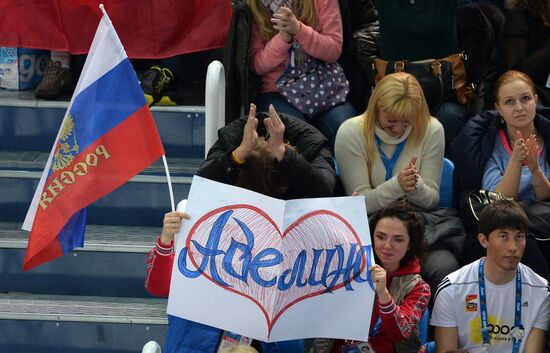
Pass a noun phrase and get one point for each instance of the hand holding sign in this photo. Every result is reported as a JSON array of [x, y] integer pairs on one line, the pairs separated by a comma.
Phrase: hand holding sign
[[171, 224]]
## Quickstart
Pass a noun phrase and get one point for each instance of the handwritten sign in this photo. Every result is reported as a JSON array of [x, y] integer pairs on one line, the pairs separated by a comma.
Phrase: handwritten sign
[[270, 269]]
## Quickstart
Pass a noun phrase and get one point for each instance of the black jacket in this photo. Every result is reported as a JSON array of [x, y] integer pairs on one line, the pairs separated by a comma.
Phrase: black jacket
[[525, 46], [476, 142], [241, 84], [361, 33], [309, 172]]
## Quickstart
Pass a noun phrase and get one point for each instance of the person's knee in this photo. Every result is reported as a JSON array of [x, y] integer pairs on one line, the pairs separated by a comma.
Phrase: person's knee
[[452, 113], [329, 122], [438, 264]]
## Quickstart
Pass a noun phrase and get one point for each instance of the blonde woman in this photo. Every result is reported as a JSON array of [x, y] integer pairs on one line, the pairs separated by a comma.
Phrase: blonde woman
[[314, 27], [396, 127], [395, 150]]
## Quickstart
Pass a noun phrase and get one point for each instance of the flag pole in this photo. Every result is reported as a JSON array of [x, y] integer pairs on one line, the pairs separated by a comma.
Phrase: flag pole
[[103, 10], [169, 182]]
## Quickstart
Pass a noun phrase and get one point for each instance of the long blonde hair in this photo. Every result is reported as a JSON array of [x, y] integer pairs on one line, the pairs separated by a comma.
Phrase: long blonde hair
[[400, 97], [304, 10]]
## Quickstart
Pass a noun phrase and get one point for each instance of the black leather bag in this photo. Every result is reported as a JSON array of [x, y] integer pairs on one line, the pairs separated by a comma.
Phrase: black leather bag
[[538, 213], [442, 80]]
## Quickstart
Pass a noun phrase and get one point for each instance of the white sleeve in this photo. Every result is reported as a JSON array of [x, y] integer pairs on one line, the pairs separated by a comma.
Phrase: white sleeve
[[444, 314], [542, 321]]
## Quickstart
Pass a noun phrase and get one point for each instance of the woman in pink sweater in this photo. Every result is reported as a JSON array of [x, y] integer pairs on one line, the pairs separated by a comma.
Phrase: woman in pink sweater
[[311, 27]]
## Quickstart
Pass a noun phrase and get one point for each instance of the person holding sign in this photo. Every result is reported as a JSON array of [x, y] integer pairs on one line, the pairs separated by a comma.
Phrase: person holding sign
[[278, 156], [401, 294], [494, 304]]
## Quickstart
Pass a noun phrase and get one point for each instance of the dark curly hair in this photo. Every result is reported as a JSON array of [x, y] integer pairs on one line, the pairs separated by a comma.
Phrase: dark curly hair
[[261, 172], [535, 8], [403, 211]]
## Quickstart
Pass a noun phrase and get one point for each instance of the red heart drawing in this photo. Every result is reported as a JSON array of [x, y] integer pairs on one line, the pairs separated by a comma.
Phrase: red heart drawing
[[313, 233]]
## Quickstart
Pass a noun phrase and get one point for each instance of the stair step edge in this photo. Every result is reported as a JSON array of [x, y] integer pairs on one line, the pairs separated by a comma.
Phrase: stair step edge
[[28, 103], [60, 308], [100, 238]]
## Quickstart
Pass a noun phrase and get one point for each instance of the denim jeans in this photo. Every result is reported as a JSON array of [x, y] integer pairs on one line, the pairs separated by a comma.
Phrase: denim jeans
[[453, 117], [327, 122]]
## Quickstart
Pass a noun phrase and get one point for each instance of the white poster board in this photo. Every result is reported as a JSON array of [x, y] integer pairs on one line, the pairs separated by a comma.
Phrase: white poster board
[[270, 269]]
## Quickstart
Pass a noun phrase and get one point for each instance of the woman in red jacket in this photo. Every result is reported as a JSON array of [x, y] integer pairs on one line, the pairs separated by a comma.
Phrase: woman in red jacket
[[401, 294]]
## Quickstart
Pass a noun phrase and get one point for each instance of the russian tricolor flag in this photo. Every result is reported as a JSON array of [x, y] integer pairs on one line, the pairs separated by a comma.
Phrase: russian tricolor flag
[[107, 136]]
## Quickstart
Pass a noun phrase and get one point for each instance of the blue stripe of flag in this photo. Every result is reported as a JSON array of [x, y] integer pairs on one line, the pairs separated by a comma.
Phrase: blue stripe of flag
[[72, 234], [106, 103]]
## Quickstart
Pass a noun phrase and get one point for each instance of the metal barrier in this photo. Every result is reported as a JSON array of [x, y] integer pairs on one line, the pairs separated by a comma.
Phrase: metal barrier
[[214, 104]]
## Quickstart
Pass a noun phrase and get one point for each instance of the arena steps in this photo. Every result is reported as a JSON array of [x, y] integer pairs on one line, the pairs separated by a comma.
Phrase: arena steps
[[56, 323], [93, 299], [141, 202], [62, 308], [27, 124]]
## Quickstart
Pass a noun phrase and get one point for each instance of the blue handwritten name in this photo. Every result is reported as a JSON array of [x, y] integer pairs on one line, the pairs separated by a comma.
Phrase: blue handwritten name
[[346, 270]]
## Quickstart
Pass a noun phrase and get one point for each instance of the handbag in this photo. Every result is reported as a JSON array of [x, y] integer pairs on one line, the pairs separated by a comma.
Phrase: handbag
[[538, 213], [313, 86], [473, 202], [442, 80]]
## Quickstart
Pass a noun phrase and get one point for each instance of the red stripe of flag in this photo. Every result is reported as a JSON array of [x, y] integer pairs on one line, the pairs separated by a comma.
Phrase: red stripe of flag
[[120, 154]]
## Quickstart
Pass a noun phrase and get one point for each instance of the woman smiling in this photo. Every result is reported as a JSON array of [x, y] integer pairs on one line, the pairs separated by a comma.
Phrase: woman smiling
[[394, 149], [401, 294]]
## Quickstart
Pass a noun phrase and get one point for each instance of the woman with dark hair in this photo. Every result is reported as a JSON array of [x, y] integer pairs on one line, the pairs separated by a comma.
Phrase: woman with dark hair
[[401, 294], [525, 43]]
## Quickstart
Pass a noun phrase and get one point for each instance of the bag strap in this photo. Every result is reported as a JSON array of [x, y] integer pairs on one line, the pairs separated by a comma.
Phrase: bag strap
[[436, 71]]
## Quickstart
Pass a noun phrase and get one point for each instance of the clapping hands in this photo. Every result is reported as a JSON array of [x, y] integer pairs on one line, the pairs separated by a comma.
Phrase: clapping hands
[[250, 135], [275, 134], [526, 151], [276, 131], [408, 177], [286, 23]]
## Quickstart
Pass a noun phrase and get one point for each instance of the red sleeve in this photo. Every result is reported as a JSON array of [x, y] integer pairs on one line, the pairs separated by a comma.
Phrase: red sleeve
[[159, 269], [399, 321]]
